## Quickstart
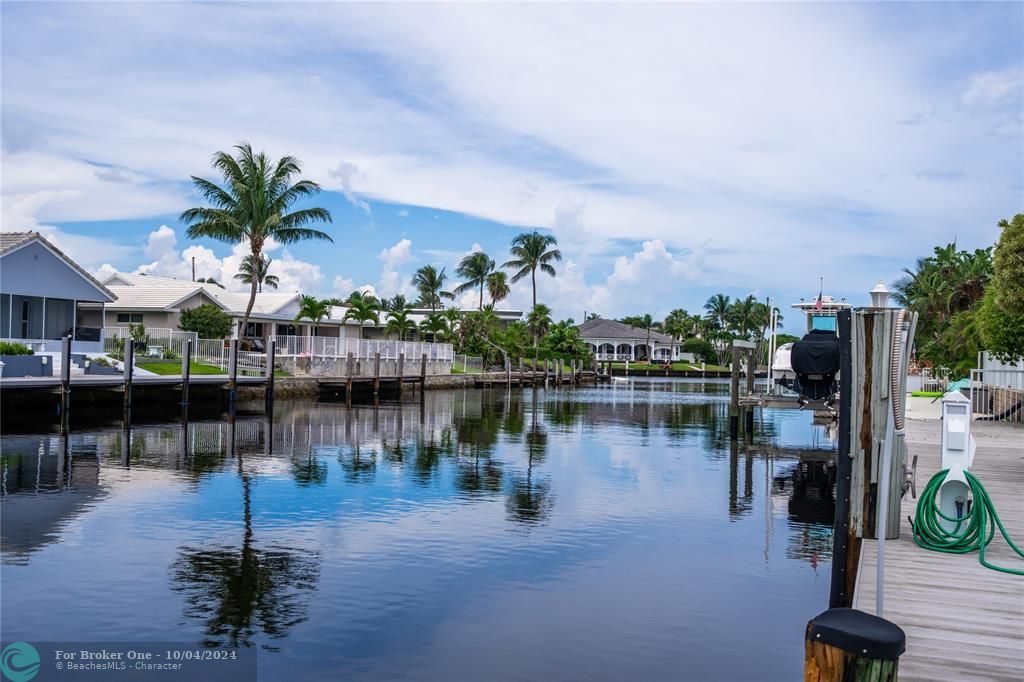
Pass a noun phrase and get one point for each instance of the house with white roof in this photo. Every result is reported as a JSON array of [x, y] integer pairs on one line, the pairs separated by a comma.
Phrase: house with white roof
[[44, 295]]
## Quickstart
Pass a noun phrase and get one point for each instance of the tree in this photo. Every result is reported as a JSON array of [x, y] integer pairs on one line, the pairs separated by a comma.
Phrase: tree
[[677, 323], [429, 282], [497, 287], [717, 308], [474, 268], [257, 268], [394, 304], [539, 322], [209, 280], [645, 322], [255, 205], [701, 348], [1009, 264], [530, 251], [399, 323], [310, 308], [207, 321], [363, 309], [437, 327]]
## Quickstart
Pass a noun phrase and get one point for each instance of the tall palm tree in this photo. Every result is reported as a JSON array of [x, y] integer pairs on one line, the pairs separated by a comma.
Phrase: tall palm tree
[[474, 268], [395, 303], [363, 309], [399, 322], [429, 282], [255, 204], [530, 251], [676, 323], [253, 268], [312, 309], [717, 309], [497, 286]]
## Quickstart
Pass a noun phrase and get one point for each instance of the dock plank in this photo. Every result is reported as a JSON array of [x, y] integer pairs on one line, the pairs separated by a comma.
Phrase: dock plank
[[963, 621]]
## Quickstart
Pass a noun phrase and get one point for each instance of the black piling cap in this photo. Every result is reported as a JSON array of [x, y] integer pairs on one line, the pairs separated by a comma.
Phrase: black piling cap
[[859, 633]]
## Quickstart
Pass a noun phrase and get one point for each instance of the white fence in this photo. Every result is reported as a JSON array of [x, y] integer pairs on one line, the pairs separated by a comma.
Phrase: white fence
[[468, 364], [998, 394], [156, 342], [361, 349]]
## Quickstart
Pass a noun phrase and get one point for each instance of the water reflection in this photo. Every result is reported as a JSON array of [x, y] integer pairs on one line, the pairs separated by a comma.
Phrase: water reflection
[[328, 523]]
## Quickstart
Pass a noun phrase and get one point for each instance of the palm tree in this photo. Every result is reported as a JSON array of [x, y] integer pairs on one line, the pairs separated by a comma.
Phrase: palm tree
[[647, 323], [497, 286], [313, 309], [539, 322], [394, 304], [399, 322], [436, 326], [717, 309], [253, 268], [530, 251], [676, 323], [363, 309], [429, 282], [474, 268], [254, 205]]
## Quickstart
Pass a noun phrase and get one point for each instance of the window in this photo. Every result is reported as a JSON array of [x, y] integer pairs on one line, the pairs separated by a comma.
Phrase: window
[[129, 318], [286, 330], [254, 330]]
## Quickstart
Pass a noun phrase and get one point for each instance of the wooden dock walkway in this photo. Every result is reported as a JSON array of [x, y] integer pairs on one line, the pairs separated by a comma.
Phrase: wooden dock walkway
[[963, 621]]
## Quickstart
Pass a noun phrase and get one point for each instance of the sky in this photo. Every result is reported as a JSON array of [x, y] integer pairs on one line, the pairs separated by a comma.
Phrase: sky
[[674, 150]]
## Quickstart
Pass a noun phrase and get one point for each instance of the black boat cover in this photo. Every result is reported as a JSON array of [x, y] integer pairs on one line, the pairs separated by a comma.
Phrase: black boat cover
[[815, 360]]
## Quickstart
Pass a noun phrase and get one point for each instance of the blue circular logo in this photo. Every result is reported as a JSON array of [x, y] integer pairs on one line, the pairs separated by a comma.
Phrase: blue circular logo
[[20, 662]]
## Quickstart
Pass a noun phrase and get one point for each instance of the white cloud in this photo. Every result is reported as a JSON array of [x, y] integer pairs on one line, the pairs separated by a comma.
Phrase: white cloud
[[391, 280], [993, 87], [345, 172], [167, 261]]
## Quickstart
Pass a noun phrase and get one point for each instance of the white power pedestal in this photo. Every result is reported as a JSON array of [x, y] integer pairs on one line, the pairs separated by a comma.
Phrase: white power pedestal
[[957, 455]]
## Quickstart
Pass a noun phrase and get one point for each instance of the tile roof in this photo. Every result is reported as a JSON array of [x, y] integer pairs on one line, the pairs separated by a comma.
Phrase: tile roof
[[611, 329], [267, 303]]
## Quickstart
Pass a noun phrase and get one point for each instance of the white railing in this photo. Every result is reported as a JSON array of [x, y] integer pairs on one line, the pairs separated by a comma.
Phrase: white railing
[[361, 349], [467, 364], [997, 394], [159, 341], [211, 352]]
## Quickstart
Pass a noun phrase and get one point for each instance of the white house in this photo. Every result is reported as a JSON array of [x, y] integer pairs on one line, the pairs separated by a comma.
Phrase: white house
[[612, 340]]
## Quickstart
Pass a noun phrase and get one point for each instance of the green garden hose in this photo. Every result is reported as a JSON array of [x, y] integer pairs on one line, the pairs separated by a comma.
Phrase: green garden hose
[[973, 531]]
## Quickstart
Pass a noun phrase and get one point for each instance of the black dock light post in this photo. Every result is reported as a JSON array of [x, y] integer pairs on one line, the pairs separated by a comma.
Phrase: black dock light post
[[232, 376], [847, 645], [841, 593]]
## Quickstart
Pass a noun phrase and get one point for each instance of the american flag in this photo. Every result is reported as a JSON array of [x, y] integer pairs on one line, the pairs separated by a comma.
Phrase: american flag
[[818, 303]]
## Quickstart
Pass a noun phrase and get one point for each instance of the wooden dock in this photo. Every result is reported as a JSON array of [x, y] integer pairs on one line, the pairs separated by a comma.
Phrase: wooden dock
[[963, 621]]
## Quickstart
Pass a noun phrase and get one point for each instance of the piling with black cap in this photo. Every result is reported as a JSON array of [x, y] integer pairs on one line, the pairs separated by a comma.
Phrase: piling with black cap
[[847, 645]]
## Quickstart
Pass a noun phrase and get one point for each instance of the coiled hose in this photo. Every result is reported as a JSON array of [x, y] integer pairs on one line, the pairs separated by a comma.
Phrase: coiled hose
[[972, 531]]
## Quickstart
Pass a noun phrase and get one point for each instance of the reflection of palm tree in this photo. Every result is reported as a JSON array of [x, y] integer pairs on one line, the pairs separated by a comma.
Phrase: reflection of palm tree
[[242, 591], [531, 501], [309, 471], [358, 469]]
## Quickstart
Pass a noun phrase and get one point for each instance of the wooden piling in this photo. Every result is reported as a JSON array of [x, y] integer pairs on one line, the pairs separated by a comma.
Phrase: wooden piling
[[65, 384], [129, 368], [401, 372], [269, 376], [349, 370], [186, 370], [846, 645], [841, 586], [520, 371], [232, 376], [376, 374], [734, 395]]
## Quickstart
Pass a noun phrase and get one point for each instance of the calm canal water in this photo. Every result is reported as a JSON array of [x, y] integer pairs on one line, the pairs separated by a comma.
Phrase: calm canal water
[[605, 533]]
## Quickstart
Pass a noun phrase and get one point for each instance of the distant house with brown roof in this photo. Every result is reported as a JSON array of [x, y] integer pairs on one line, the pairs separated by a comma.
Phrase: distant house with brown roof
[[613, 340]]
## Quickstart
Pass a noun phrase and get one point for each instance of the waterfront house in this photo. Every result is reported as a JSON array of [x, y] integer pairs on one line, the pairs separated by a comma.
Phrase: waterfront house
[[44, 295], [612, 340], [157, 302]]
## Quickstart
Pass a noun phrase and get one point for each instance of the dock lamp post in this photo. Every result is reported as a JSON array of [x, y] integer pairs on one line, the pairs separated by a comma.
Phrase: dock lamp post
[[880, 295]]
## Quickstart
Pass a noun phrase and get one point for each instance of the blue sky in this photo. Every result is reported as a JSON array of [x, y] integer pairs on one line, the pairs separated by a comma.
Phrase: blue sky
[[674, 150]]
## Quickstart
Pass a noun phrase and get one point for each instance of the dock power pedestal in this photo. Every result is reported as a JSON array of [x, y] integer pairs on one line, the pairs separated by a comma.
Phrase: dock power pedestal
[[957, 456]]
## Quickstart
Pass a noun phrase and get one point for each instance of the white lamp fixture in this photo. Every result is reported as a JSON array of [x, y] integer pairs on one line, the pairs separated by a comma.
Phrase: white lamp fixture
[[880, 295]]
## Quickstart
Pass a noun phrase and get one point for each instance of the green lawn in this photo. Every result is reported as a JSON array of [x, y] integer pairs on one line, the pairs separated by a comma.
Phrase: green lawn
[[168, 368], [460, 368]]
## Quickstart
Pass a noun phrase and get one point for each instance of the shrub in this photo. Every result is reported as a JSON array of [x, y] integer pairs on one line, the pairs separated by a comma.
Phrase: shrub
[[207, 321], [701, 349], [171, 354], [14, 348]]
